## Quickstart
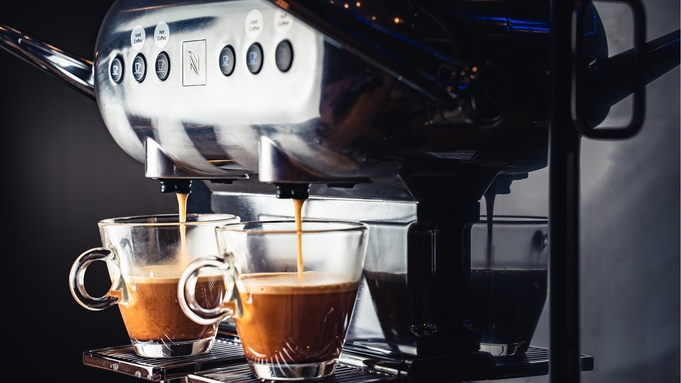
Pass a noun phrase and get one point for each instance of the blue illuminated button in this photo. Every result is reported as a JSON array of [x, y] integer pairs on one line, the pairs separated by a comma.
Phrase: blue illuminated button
[[139, 68], [284, 56], [227, 60], [162, 66], [254, 58], [116, 70]]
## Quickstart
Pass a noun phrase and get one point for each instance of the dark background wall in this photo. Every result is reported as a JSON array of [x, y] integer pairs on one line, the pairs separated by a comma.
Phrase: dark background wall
[[63, 173]]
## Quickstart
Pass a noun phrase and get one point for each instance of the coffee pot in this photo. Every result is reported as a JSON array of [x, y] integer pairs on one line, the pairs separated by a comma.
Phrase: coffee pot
[[400, 115]]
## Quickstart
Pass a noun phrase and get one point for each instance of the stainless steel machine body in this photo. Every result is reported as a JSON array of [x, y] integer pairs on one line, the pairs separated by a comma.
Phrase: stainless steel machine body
[[330, 117]]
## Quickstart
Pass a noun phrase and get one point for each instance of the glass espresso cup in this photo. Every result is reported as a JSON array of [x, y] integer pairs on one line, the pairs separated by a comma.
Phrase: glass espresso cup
[[509, 278], [145, 256], [291, 321]]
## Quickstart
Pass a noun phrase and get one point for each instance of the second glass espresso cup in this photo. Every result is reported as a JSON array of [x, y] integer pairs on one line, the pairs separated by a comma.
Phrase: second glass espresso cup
[[509, 279], [145, 256], [291, 321]]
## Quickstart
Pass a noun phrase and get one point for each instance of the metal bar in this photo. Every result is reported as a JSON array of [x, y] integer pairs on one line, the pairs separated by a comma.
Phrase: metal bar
[[563, 204], [75, 71]]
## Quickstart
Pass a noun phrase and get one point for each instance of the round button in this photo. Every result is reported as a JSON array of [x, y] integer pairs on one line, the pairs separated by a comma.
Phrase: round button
[[116, 70], [161, 34], [137, 37], [162, 66], [283, 22], [254, 23], [254, 58], [139, 68], [227, 60], [284, 56]]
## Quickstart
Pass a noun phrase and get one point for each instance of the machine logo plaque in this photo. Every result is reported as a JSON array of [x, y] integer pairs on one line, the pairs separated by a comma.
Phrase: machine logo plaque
[[194, 63]]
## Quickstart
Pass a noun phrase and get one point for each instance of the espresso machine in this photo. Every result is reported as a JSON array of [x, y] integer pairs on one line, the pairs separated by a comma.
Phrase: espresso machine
[[402, 115]]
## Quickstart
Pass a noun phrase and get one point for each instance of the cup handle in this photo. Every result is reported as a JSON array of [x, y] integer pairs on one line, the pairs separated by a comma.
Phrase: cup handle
[[77, 279], [187, 286]]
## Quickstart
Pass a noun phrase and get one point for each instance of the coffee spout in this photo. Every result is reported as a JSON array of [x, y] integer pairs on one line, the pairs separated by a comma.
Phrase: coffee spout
[[75, 71], [176, 176], [293, 191], [175, 186]]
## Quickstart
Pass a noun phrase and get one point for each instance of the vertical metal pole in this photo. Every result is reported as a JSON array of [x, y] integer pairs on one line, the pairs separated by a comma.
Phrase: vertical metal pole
[[564, 141]]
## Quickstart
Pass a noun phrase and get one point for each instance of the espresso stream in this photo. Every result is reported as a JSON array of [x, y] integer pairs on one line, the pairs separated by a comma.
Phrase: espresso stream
[[297, 213], [182, 208]]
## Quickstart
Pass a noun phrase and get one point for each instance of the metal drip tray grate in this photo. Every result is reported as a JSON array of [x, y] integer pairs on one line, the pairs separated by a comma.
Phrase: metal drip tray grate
[[242, 374], [533, 363], [226, 363], [124, 360]]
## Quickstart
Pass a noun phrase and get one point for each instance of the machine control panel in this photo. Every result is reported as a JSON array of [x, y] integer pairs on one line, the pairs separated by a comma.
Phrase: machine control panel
[[283, 58], [218, 65], [194, 52]]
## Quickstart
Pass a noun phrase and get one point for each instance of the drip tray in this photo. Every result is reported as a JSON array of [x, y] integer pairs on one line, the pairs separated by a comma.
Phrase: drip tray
[[226, 363], [534, 362], [123, 360], [240, 373]]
